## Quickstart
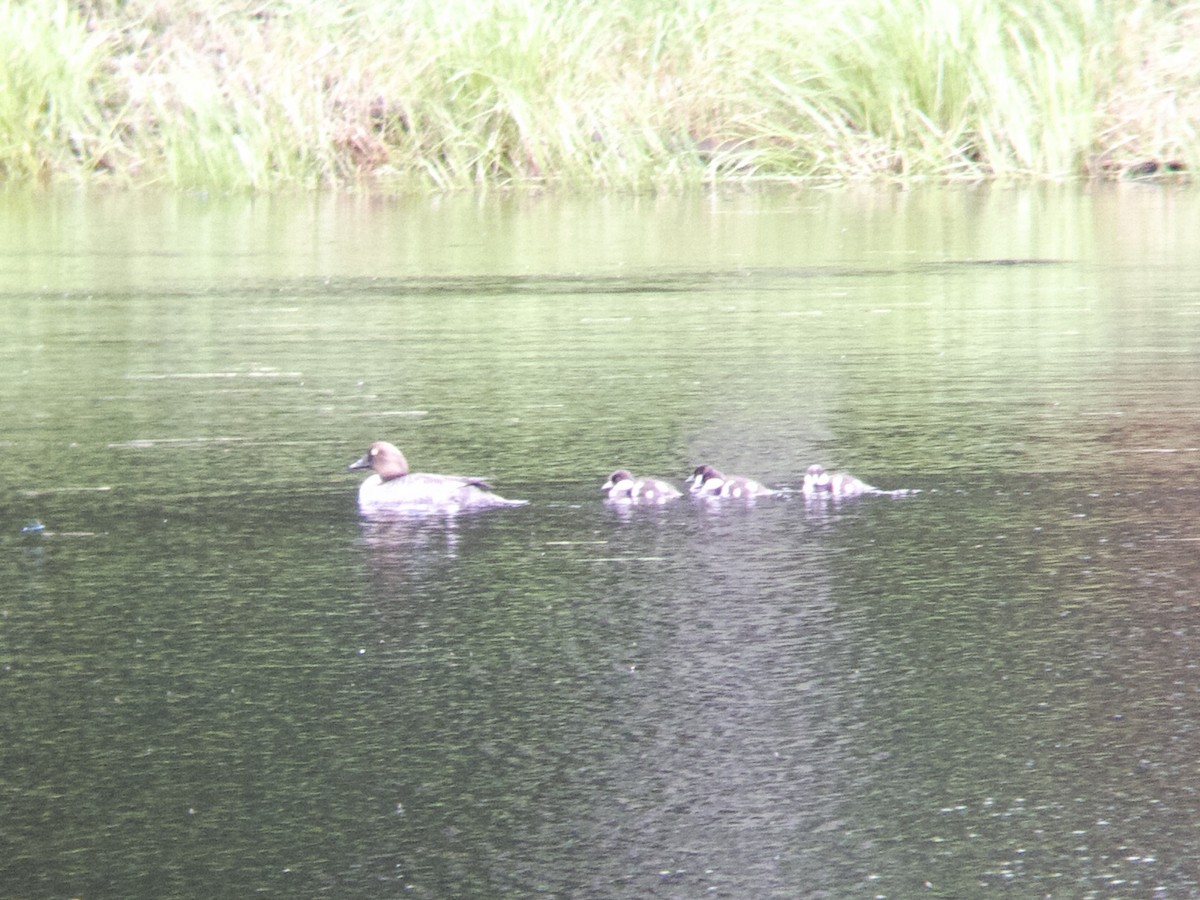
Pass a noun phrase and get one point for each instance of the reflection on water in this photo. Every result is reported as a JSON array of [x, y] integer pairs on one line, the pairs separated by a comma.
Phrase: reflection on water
[[218, 677], [402, 537]]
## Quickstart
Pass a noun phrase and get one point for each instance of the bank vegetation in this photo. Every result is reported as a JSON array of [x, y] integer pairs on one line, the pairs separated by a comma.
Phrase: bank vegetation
[[618, 94]]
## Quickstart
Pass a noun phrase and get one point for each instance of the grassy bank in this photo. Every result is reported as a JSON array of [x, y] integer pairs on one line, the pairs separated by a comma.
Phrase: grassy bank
[[449, 94]]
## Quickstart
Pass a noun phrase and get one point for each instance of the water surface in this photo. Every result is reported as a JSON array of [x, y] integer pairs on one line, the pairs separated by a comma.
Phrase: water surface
[[217, 679]]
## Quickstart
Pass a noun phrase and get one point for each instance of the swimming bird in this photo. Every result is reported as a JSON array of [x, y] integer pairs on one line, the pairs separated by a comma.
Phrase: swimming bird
[[623, 487], [392, 486], [708, 482], [820, 484]]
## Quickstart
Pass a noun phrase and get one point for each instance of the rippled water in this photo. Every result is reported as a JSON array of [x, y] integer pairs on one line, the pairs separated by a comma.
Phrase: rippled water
[[217, 679]]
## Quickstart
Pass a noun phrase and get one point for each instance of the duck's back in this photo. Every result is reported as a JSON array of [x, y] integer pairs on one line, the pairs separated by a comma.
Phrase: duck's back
[[433, 493]]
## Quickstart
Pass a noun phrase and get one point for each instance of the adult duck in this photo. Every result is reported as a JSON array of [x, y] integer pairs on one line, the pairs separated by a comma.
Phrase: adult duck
[[392, 486]]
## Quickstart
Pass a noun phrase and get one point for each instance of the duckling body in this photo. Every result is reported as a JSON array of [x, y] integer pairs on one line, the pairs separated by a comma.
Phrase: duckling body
[[623, 487], [818, 482], [710, 483]]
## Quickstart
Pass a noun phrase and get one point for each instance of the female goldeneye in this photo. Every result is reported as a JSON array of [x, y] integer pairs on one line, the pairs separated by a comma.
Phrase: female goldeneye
[[622, 487], [708, 482], [393, 487]]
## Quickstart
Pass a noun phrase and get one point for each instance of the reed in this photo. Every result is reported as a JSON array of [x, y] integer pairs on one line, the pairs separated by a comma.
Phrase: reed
[[627, 94], [48, 114]]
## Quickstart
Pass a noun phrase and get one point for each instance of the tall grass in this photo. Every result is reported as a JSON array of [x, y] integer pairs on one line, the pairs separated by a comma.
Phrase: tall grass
[[632, 94], [953, 88], [49, 119]]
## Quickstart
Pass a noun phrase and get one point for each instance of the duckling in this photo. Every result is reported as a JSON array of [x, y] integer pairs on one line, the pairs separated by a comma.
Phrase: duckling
[[709, 483], [623, 487]]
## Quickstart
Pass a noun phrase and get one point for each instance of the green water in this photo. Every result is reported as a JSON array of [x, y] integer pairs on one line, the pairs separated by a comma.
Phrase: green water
[[216, 680]]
